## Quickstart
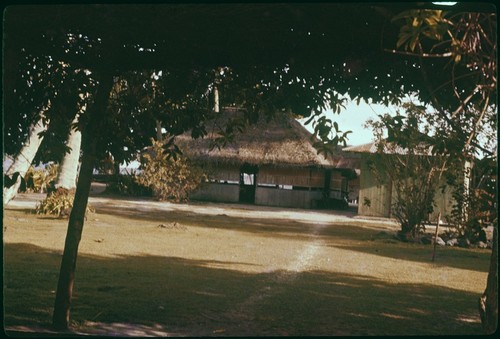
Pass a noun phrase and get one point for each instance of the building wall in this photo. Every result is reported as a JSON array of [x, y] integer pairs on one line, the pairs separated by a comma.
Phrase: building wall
[[307, 183], [224, 173], [353, 189], [311, 180], [338, 185], [217, 192], [376, 199], [304, 177], [444, 203], [285, 198]]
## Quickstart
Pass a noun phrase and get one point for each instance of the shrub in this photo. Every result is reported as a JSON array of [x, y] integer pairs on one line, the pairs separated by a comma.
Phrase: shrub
[[40, 180], [408, 165], [58, 203], [169, 177], [127, 185]]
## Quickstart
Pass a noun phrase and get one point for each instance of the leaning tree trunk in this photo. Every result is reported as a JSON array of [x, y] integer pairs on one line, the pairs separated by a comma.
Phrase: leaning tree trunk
[[90, 134], [488, 303], [24, 158], [68, 168]]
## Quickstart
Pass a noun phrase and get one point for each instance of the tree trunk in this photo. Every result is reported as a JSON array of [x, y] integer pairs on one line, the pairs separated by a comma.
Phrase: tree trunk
[[62, 305], [159, 135], [436, 236], [68, 168], [216, 100], [488, 303], [24, 158]]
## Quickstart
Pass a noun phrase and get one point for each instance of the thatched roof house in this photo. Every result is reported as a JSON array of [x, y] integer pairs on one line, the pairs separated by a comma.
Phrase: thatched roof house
[[269, 163], [281, 142]]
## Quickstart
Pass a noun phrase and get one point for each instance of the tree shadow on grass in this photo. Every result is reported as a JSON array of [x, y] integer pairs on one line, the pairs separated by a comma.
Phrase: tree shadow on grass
[[467, 259], [154, 295], [349, 236], [276, 227]]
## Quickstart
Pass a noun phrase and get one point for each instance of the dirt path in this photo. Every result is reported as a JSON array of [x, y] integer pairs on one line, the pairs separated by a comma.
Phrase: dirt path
[[243, 315]]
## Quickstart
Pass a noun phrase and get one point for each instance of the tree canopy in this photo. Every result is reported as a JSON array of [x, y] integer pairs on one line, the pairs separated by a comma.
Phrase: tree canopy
[[280, 55]]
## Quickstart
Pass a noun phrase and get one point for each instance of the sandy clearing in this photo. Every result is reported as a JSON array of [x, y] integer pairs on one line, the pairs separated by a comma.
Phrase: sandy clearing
[[283, 247], [303, 253]]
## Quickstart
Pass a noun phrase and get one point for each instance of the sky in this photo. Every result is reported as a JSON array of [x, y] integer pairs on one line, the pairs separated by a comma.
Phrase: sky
[[353, 117]]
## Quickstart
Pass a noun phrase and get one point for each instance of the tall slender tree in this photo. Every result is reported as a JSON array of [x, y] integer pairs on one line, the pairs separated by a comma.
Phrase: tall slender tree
[[22, 162], [68, 167], [61, 315]]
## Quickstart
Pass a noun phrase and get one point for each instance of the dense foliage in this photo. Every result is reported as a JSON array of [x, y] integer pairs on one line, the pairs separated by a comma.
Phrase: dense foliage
[[127, 185], [475, 206], [40, 180], [406, 165], [154, 83], [58, 203], [465, 103], [170, 178]]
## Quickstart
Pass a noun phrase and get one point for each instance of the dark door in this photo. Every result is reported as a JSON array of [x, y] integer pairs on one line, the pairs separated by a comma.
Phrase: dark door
[[248, 183]]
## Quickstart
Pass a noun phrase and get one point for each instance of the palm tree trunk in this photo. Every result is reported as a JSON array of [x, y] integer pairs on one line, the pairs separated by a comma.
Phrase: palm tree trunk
[[24, 158], [90, 134], [216, 100], [68, 168]]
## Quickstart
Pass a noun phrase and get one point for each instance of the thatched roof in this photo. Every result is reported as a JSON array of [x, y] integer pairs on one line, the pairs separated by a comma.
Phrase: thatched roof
[[388, 148], [280, 142], [350, 161], [364, 148]]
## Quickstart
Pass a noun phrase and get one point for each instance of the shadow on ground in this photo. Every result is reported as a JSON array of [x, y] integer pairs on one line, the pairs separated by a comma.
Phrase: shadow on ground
[[158, 296], [376, 240]]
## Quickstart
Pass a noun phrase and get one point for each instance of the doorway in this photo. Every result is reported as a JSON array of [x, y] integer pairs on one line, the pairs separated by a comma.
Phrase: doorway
[[248, 183]]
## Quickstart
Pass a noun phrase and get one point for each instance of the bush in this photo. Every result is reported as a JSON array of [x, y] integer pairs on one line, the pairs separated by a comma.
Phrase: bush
[[408, 165], [169, 177], [58, 203], [127, 185], [40, 180]]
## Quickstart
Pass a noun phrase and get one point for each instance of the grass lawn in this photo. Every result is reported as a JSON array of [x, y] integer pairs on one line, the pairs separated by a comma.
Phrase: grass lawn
[[156, 269]]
